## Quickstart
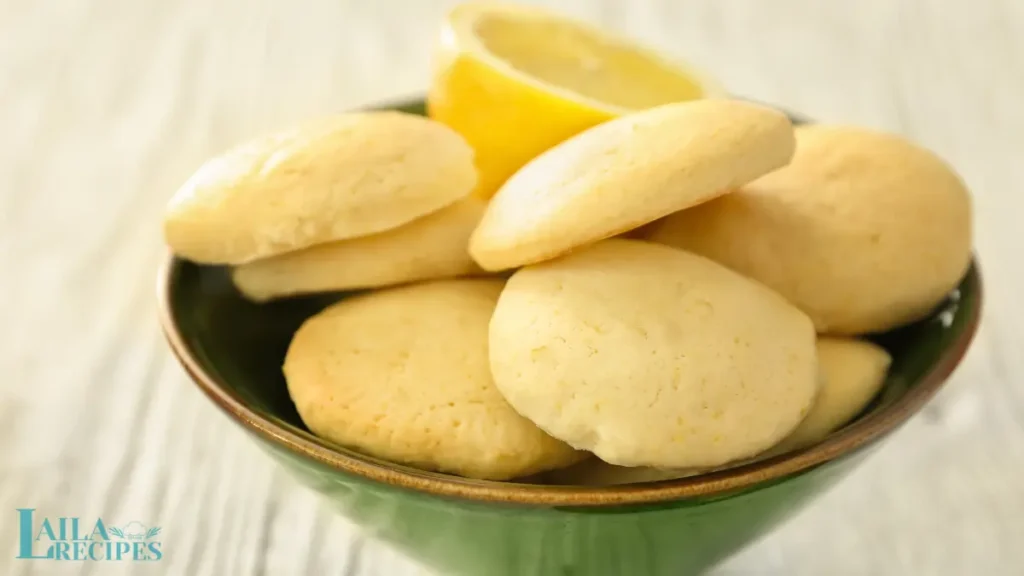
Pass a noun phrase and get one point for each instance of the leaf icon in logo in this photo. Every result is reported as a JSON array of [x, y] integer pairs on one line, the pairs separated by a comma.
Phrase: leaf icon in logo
[[152, 532], [116, 531]]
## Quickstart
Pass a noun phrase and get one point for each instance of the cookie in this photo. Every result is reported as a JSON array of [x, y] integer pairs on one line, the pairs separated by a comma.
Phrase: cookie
[[596, 472], [337, 178], [625, 173], [402, 374], [852, 371], [650, 356], [864, 231], [431, 247]]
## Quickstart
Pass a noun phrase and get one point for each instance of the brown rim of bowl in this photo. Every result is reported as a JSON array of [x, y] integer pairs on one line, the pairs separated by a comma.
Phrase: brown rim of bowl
[[849, 439]]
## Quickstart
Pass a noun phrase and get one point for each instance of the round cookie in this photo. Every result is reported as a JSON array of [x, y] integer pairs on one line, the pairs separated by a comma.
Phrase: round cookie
[[402, 374], [431, 247], [336, 178], [863, 231], [650, 356], [596, 472], [625, 173], [852, 373]]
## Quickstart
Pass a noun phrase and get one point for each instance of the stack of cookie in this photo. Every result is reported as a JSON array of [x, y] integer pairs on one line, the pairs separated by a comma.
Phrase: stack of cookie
[[671, 291], [350, 202]]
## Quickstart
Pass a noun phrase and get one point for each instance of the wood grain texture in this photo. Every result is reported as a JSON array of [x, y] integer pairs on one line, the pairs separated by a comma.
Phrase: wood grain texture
[[107, 105]]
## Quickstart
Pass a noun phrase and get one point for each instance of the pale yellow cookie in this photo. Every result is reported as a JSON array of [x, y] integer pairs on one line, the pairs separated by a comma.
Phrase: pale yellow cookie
[[650, 356], [402, 374], [596, 472], [863, 231], [431, 247], [852, 371], [627, 172], [331, 179]]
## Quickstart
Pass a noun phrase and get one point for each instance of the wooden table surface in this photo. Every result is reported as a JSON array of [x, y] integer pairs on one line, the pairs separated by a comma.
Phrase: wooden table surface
[[107, 105]]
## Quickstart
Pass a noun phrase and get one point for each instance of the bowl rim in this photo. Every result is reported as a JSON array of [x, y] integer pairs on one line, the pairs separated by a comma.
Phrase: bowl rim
[[845, 442]]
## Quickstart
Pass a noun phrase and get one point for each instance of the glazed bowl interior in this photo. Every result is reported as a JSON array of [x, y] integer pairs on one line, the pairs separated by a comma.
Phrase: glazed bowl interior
[[234, 350]]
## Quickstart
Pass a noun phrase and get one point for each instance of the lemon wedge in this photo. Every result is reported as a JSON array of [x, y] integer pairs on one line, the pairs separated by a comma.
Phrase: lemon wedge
[[515, 81]]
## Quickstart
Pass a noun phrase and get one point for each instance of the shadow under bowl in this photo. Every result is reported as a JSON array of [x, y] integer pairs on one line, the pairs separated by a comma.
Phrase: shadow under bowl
[[233, 349]]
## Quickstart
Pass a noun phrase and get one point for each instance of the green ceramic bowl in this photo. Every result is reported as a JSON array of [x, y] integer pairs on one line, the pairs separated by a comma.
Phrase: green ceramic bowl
[[233, 349]]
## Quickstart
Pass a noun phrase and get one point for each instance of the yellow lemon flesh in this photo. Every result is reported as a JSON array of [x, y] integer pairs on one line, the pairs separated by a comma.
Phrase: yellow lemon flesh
[[515, 81]]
